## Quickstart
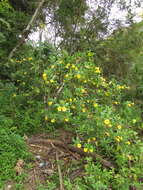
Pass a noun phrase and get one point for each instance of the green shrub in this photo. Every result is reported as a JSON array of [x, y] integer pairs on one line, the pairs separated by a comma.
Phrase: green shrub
[[12, 148], [71, 92], [81, 99]]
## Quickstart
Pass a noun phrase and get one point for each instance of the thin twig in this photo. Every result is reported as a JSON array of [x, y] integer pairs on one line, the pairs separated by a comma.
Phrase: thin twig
[[38, 146], [59, 91], [59, 171]]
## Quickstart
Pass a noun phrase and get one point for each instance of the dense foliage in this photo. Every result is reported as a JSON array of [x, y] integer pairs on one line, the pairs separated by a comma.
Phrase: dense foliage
[[91, 86]]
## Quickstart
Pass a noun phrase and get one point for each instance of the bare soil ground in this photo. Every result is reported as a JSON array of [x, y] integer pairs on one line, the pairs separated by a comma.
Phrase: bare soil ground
[[49, 160]]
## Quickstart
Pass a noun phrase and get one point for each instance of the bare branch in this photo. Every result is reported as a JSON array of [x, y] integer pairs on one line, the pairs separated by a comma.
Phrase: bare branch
[[59, 171], [26, 30]]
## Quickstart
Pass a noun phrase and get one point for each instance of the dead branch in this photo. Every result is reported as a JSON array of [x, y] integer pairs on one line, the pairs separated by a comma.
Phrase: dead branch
[[73, 149], [59, 171], [27, 29]]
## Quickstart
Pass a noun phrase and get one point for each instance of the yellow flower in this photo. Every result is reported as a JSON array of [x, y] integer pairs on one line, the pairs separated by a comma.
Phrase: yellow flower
[[52, 66], [47, 82], [14, 95], [88, 140], [46, 118], [78, 145], [128, 142], [83, 90], [51, 81], [129, 157], [66, 76], [84, 110], [44, 76], [116, 103], [59, 108], [107, 94], [93, 138], [68, 65], [134, 121], [118, 138], [97, 70], [85, 149], [50, 103], [73, 66], [95, 105], [61, 62], [64, 109], [73, 107], [91, 150], [119, 126], [70, 99], [53, 120], [78, 76], [120, 87], [107, 134], [30, 58], [131, 104], [90, 54], [103, 79], [66, 119], [107, 122]]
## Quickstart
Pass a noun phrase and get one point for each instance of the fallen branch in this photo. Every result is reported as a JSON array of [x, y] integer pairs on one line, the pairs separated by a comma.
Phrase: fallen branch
[[37, 146], [72, 149], [60, 173], [26, 30]]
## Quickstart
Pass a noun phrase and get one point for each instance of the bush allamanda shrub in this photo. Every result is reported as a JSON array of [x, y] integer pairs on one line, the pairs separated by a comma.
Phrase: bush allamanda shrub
[[71, 92], [78, 97]]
